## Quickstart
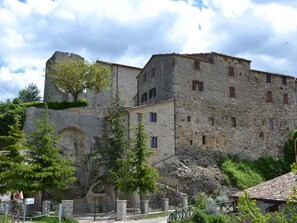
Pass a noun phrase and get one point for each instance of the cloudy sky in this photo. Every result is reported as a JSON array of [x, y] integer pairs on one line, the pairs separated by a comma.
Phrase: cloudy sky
[[130, 31]]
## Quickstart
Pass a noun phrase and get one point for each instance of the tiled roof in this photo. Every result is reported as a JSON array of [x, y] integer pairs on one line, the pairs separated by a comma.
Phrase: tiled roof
[[277, 189]]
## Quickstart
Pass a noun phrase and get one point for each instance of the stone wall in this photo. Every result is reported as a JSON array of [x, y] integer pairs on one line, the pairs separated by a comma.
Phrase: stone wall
[[123, 81], [163, 128], [212, 120], [79, 134]]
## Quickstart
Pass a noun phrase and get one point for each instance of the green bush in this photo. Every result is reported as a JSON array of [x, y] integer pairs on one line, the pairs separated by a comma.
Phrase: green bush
[[240, 174], [216, 219], [199, 217], [56, 105]]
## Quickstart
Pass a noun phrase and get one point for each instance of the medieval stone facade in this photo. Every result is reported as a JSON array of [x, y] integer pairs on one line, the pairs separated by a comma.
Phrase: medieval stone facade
[[194, 104]]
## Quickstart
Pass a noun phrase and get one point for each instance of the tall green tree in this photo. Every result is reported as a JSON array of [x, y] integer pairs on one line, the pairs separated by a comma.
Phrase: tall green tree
[[29, 94], [49, 169], [140, 176], [115, 144], [12, 160], [75, 75]]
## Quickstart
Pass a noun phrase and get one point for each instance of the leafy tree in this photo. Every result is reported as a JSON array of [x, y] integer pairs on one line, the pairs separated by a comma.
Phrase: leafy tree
[[49, 168], [29, 94], [141, 176], [12, 158], [8, 113], [75, 75]]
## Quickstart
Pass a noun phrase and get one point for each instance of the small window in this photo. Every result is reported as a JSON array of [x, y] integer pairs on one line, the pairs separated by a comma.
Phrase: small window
[[197, 85], [154, 142], [196, 64], [261, 135], [152, 93], [270, 124], [153, 72], [232, 92], [144, 97], [191, 142], [231, 71], [211, 121], [203, 140], [153, 117], [139, 116], [286, 99], [189, 118], [269, 96], [233, 122], [284, 80], [268, 78], [144, 77]]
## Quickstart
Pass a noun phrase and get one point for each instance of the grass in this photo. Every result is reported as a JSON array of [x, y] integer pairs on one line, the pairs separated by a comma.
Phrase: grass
[[53, 219]]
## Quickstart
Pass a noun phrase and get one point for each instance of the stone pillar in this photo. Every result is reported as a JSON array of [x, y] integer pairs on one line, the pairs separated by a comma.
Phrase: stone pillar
[[165, 204], [46, 205], [121, 210], [144, 207], [185, 201], [67, 207]]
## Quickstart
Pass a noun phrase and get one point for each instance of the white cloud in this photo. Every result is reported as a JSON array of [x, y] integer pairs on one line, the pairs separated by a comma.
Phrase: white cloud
[[130, 31]]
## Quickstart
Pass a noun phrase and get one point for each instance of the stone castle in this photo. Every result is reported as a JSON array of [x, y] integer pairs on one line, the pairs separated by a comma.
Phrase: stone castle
[[196, 107]]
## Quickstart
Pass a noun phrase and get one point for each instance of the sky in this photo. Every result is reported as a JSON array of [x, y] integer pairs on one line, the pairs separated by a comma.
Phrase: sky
[[131, 31]]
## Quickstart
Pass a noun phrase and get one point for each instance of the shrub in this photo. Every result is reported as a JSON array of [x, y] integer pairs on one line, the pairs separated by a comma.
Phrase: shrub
[[216, 219], [199, 217]]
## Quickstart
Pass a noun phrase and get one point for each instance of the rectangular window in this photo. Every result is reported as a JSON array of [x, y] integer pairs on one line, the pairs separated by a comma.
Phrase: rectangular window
[[233, 122], [152, 93], [153, 72], [270, 124], [286, 99], [232, 92], [191, 142], [269, 96], [203, 140], [284, 80], [139, 116], [189, 118], [153, 117], [231, 71], [197, 85], [144, 97], [154, 142], [268, 78], [211, 121], [196, 64], [144, 77]]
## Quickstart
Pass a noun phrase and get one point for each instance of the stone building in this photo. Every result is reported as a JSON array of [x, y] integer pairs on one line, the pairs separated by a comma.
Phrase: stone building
[[221, 104], [194, 106]]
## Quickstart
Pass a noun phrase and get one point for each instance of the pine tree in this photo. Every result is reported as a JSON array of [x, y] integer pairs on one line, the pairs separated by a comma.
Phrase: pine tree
[[49, 169], [12, 160]]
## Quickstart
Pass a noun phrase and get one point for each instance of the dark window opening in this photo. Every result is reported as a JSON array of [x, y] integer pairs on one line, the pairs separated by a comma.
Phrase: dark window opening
[[261, 135], [268, 78], [232, 92], [139, 116], [153, 117], [286, 99], [153, 72], [203, 140], [270, 124], [152, 93], [191, 142], [284, 80], [231, 71], [189, 118], [211, 121], [197, 85], [233, 122], [196, 64], [144, 77], [144, 97], [269, 96], [154, 142]]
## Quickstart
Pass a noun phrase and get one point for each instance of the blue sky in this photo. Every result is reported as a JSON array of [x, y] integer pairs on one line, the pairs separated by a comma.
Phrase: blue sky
[[130, 31]]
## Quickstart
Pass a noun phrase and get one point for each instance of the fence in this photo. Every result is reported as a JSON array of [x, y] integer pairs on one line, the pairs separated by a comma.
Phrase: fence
[[181, 213]]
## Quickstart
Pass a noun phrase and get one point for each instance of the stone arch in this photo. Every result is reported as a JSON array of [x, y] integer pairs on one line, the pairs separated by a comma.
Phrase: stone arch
[[73, 144]]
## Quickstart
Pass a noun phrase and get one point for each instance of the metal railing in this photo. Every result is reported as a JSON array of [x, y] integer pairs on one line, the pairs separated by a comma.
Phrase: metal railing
[[181, 213]]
